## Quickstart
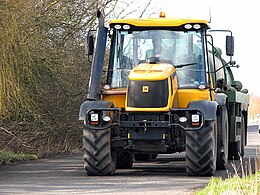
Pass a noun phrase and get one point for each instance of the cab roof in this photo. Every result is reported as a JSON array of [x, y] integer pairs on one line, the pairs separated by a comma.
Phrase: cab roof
[[159, 22]]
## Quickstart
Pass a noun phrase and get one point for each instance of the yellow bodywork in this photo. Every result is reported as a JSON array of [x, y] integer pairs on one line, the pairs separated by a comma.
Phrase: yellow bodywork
[[117, 96], [155, 72], [185, 96], [178, 98], [181, 99], [164, 22], [151, 72]]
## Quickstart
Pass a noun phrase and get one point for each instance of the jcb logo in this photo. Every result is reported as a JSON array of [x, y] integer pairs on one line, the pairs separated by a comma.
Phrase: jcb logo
[[145, 89]]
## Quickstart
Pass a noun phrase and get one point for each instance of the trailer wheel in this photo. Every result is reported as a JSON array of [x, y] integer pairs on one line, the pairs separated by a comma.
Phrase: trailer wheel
[[237, 149], [201, 150], [124, 160], [98, 157], [222, 157]]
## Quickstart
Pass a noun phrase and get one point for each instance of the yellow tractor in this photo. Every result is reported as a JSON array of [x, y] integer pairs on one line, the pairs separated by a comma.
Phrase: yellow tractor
[[167, 90]]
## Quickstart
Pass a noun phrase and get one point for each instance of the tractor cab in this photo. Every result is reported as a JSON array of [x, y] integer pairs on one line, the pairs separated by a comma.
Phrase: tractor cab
[[179, 43]]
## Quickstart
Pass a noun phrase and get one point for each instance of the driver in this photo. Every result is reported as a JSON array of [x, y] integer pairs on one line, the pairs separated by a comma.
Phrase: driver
[[159, 50]]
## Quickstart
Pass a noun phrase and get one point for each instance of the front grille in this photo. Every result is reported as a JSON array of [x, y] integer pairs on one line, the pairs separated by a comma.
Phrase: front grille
[[147, 94]]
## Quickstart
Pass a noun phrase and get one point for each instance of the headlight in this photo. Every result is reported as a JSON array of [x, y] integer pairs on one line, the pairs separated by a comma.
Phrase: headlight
[[183, 119], [107, 87], [106, 118]]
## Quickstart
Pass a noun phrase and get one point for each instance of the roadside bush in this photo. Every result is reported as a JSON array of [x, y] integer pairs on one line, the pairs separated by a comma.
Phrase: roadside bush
[[43, 72]]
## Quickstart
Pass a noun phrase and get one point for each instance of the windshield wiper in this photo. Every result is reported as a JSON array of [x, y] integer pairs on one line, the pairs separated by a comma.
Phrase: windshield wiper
[[183, 65]]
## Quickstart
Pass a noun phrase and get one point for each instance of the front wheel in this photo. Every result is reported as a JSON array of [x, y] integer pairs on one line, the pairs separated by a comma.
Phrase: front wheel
[[201, 150], [98, 157]]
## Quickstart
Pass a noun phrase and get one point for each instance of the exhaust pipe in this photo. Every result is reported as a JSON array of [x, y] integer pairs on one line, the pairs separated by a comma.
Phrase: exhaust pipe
[[98, 60]]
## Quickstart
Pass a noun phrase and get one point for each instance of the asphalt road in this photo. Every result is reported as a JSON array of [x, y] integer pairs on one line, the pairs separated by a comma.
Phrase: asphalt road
[[66, 175]]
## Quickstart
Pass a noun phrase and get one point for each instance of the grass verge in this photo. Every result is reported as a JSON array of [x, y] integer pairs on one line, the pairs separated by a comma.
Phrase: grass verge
[[236, 185], [7, 157]]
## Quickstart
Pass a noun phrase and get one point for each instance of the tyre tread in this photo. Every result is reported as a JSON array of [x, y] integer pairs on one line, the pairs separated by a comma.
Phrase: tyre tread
[[97, 152], [199, 150]]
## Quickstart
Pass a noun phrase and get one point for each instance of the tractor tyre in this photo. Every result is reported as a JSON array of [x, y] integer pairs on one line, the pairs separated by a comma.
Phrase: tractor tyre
[[124, 160], [201, 150], [98, 157], [222, 154], [237, 149]]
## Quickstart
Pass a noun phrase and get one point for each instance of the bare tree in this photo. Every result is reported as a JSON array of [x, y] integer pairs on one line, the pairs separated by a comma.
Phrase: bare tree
[[43, 71]]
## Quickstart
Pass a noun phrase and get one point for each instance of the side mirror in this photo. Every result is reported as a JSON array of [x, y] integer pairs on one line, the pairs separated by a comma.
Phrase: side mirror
[[229, 45], [89, 45]]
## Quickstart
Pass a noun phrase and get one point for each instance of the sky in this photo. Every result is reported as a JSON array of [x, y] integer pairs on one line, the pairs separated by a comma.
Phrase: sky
[[241, 17]]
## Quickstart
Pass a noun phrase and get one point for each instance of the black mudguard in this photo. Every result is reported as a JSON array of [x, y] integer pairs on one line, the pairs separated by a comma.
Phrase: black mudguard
[[208, 108], [221, 99], [85, 106]]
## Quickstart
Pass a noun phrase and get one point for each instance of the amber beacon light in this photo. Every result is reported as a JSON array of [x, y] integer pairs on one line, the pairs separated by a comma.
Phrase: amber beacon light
[[162, 14]]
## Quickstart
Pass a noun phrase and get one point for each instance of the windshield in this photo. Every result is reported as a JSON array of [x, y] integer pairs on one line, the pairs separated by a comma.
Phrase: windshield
[[184, 50]]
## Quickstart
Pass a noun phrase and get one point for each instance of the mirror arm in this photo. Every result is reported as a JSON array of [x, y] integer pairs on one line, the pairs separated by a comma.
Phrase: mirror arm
[[232, 63]]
